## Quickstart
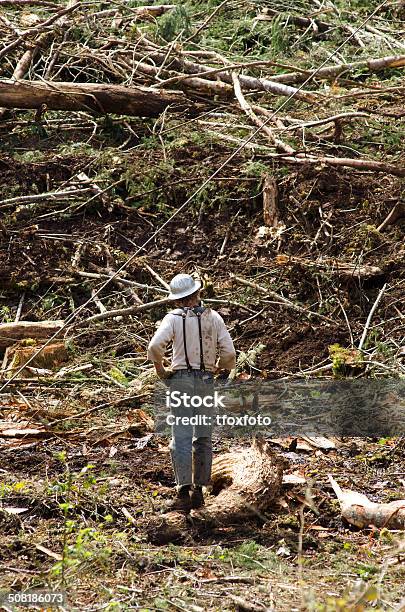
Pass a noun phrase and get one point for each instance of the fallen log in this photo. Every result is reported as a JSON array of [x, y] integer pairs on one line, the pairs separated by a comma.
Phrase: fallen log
[[24, 63], [94, 97], [10, 333], [41, 362], [332, 72], [358, 510], [245, 483]]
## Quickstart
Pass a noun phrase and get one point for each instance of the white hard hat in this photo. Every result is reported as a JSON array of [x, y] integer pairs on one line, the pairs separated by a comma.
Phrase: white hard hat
[[182, 285]]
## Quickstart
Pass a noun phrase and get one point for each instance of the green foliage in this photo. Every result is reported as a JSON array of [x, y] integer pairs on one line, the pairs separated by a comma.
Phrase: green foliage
[[89, 545], [259, 40], [344, 360], [249, 555], [175, 23], [118, 375], [49, 302], [5, 314], [15, 487], [255, 168]]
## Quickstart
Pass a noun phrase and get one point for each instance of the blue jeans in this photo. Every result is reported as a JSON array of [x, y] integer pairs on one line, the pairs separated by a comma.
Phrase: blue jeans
[[191, 444]]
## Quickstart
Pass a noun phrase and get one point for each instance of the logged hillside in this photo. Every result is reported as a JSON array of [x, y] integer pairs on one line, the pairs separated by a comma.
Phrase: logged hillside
[[259, 145]]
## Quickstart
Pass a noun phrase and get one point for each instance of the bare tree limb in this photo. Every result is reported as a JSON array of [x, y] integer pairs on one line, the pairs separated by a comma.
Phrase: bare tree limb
[[248, 82], [280, 145], [123, 312], [332, 72], [280, 299], [39, 28]]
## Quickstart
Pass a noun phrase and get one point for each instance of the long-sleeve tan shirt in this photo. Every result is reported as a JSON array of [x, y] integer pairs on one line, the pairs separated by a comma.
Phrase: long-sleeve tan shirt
[[215, 337]]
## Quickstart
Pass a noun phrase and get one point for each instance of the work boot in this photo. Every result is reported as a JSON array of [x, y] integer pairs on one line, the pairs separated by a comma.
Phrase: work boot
[[197, 498], [181, 502]]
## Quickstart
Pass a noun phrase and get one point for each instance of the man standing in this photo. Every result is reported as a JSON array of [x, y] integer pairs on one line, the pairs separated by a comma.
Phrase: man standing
[[197, 335]]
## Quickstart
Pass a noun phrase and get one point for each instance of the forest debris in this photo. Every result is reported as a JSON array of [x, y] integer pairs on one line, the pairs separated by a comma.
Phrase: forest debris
[[168, 527], [95, 97], [143, 422], [280, 299], [143, 442], [48, 357], [398, 212], [30, 200], [30, 432], [97, 301], [292, 479], [86, 180], [72, 6], [245, 106], [128, 516], [13, 510], [49, 552], [270, 201], [360, 164], [247, 82], [72, 369], [293, 444], [10, 333], [123, 311], [337, 119], [332, 72], [119, 279], [332, 266], [320, 442], [28, 3], [358, 510], [370, 316], [157, 276], [143, 12], [245, 481], [242, 605], [24, 63], [227, 580]]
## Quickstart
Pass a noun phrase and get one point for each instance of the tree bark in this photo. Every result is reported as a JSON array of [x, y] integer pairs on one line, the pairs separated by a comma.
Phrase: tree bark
[[10, 333], [247, 82], [332, 72], [100, 98]]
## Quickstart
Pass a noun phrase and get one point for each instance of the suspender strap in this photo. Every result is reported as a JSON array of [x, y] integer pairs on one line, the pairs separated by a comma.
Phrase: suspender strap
[[202, 365], [189, 368]]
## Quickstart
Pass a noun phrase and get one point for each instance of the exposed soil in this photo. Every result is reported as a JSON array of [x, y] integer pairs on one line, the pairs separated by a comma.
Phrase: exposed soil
[[118, 488]]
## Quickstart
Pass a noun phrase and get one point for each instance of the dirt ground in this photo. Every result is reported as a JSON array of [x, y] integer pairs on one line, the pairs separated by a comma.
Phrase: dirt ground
[[285, 559], [90, 487]]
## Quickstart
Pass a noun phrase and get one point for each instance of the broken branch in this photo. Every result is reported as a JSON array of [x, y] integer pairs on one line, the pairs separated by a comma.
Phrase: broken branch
[[280, 145], [123, 311]]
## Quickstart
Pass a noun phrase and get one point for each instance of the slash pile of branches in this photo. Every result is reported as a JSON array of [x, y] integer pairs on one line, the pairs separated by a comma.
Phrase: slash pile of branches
[[81, 56]]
